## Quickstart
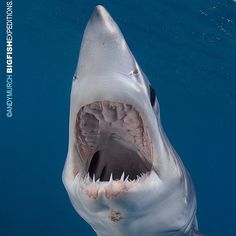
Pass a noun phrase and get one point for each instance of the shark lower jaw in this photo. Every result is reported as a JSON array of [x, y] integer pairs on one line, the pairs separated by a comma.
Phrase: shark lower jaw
[[115, 146]]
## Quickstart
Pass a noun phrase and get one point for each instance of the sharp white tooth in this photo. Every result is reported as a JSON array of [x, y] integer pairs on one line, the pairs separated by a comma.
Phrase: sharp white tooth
[[93, 178], [87, 178], [109, 185], [126, 179], [84, 179], [110, 178], [98, 180], [122, 176]]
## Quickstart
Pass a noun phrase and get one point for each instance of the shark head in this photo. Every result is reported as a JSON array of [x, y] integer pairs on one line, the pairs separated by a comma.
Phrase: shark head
[[121, 173]]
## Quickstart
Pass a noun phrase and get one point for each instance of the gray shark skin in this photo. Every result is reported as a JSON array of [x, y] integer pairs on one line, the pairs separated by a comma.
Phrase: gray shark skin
[[121, 173]]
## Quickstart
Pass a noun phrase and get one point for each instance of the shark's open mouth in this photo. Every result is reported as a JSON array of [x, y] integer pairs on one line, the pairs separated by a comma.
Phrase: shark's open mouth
[[113, 141]]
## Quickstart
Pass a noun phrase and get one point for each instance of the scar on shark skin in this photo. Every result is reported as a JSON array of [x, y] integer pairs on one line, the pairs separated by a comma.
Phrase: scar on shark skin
[[115, 216]]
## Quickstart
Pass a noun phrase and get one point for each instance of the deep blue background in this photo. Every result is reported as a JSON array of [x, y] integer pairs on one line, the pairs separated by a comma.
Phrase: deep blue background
[[188, 51]]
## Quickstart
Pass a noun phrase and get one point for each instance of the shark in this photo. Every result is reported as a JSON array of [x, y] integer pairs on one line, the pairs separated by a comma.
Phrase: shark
[[122, 175]]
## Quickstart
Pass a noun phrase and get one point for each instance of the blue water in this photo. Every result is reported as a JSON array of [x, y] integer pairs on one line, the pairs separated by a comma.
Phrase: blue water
[[188, 51]]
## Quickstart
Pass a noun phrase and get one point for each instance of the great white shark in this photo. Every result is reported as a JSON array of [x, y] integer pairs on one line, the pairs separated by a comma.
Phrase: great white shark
[[121, 173]]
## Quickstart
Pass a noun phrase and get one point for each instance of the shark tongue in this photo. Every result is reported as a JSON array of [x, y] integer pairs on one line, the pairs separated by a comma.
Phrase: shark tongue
[[103, 49]]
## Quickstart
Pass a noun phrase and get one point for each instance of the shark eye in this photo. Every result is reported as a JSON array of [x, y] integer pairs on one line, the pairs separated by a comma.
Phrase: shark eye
[[152, 95]]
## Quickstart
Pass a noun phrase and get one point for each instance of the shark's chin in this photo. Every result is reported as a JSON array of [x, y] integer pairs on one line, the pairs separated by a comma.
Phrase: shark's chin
[[113, 142]]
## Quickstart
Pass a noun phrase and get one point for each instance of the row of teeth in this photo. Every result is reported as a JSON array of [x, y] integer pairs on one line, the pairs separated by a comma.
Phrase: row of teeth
[[87, 179], [110, 189]]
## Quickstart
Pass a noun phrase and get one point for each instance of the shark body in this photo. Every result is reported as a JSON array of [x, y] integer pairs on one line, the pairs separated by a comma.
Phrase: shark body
[[121, 173]]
